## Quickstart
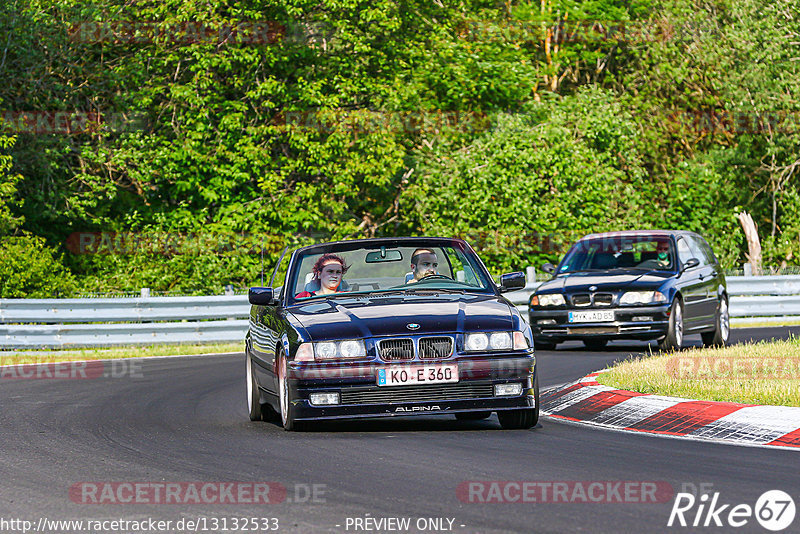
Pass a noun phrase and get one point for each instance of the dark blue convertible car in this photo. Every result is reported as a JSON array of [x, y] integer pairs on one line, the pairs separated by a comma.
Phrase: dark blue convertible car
[[389, 327], [647, 285]]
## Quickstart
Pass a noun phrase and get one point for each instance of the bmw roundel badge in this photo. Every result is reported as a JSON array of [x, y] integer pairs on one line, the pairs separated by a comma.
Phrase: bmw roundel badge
[[412, 326]]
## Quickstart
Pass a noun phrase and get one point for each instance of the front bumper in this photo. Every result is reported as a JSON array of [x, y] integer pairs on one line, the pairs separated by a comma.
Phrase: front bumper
[[630, 322], [361, 397]]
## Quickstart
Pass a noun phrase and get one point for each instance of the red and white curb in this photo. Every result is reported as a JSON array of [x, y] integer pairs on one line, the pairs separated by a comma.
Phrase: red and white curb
[[587, 401]]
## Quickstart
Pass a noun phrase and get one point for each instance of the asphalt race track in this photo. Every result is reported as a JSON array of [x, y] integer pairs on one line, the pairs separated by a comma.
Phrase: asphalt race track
[[185, 420]]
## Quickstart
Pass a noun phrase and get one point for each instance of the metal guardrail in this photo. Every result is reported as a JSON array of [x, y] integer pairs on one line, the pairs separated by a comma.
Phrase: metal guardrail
[[115, 334], [66, 323], [134, 310]]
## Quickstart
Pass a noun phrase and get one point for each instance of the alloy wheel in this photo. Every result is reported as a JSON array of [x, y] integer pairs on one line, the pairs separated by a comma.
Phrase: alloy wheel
[[678, 324], [283, 390], [724, 320]]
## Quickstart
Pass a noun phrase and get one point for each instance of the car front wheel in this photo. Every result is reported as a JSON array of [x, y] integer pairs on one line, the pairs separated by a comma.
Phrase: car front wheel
[[674, 338], [253, 397], [285, 395], [521, 419], [719, 336]]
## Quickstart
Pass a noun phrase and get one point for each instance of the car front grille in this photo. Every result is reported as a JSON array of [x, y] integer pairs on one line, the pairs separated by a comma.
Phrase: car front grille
[[581, 299], [595, 299], [404, 394], [603, 299], [396, 349], [435, 347], [427, 348]]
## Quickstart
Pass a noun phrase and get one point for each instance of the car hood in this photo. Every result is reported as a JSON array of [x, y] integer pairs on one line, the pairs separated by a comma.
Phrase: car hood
[[606, 281], [372, 316]]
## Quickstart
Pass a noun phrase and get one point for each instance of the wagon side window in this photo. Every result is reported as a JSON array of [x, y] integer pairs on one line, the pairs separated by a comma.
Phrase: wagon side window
[[684, 251]]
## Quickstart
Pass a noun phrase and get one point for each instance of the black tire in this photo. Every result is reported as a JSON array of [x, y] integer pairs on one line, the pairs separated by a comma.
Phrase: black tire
[[287, 416], [473, 416], [521, 419], [674, 338], [543, 345], [722, 327], [254, 405], [595, 344]]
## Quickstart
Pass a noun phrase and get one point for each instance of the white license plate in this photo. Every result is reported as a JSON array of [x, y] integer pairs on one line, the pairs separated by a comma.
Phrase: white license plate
[[404, 375], [599, 316]]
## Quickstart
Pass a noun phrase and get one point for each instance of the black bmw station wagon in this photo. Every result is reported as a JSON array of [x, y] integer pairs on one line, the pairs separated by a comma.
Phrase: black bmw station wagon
[[647, 285]]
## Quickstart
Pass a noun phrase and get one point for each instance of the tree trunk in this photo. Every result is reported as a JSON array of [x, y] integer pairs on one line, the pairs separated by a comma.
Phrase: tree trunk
[[753, 243]]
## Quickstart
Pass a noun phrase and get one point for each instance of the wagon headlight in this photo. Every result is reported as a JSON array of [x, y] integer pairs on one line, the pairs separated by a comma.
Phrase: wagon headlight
[[642, 297], [480, 341], [347, 349], [552, 299]]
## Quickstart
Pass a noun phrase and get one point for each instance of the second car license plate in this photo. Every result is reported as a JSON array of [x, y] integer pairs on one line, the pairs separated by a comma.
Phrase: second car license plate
[[599, 316], [404, 375]]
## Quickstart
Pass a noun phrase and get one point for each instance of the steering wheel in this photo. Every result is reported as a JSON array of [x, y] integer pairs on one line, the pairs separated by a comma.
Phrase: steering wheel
[[434, 277]]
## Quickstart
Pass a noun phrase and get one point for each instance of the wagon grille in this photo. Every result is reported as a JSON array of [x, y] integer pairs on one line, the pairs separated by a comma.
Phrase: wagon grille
[[603, 299], [435, 347], [581, 300], [396, 349], [596, 299], [404, 394]]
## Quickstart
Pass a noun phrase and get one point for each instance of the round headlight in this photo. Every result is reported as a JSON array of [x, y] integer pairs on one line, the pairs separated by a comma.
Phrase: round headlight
[[477, 341], [500, 341], [352, 348], [325, 350]]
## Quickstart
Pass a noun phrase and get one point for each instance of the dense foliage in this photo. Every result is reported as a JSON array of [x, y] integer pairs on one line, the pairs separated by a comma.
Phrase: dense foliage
[[200, 131]]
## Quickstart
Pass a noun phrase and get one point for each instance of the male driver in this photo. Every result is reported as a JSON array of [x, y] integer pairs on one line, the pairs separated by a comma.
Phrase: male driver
[[423, 263], [662, 259]]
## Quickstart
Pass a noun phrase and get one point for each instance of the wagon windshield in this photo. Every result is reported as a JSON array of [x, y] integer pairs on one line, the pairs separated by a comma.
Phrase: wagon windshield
[[349, 268], [620, 252]]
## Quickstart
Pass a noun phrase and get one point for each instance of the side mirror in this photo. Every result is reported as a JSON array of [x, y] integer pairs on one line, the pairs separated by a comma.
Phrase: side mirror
[[512, 281], [549, 268], [691, 262], [261, 296]]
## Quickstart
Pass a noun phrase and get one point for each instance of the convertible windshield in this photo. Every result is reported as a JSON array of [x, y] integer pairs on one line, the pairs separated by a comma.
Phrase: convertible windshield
[[374, 268], [620, 252]]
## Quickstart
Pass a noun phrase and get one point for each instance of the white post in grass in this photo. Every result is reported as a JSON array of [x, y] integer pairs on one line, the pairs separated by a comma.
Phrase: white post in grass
[[530, 275]]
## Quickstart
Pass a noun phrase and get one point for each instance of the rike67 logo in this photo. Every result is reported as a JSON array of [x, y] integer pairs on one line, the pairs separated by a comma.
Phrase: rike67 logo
[[774, 510]]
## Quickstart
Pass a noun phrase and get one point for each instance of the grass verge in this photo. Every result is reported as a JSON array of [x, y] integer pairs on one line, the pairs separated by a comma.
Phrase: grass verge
[[766, 372], [52, 356]]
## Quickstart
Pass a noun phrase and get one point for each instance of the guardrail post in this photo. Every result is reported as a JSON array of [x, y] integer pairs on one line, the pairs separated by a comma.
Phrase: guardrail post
[[530, 275], [145, 292]]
